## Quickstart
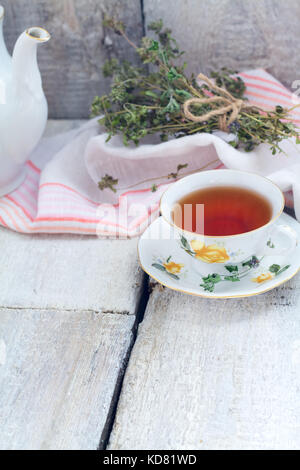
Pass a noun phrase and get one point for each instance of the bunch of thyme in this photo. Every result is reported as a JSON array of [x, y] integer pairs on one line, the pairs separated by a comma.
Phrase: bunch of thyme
[[143, 101]]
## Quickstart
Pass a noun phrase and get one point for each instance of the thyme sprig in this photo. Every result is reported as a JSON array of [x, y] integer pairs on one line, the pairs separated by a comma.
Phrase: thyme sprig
[[143, 102]]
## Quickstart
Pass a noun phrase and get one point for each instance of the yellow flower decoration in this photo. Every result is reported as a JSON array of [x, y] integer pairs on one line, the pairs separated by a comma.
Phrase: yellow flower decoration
[[263, 278], [209, 253], [173, 268]]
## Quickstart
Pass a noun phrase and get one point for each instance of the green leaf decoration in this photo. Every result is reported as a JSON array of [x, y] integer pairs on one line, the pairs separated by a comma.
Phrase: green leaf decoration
[[159, 266], [174, 276], [186, 246], [212, 278], [162, 268], [231, 278], [283, 269], [208, 287], [231, 268], [210, 281], [274, 268], [252, 263], [184, 242]]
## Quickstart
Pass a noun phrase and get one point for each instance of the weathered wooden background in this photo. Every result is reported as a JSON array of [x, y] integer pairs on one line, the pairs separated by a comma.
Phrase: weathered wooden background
[[237, 33]]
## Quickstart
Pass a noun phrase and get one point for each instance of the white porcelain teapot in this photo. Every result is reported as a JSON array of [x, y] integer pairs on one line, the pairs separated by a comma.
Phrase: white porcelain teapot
[[23, 106]]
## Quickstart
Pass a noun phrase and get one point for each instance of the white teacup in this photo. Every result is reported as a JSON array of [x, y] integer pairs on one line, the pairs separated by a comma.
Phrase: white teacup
[[269, 239]]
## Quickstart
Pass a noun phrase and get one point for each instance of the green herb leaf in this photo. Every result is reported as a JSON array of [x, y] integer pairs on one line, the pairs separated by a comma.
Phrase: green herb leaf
[[233, 144], [179, 167], [173, 74], [149, 100], [151, 94], [154, 46], [108, 182]]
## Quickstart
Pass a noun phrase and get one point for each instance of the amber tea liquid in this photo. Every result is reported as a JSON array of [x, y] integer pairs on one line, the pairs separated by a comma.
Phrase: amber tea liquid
[[228, 210]]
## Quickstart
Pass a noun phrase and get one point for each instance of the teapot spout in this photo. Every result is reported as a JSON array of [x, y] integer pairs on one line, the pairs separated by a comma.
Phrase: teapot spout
[[25, 71], [38, 34], [29, 110]]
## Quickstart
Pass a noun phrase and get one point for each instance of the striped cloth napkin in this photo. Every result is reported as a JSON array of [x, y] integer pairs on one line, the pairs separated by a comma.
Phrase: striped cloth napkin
[[60, 193]]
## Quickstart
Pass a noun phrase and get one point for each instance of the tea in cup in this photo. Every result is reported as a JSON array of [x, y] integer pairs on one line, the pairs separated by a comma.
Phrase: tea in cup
[[227, 216]]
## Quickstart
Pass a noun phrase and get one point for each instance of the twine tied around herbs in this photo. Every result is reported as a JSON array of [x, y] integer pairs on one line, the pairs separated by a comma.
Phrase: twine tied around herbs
[[230, 104]]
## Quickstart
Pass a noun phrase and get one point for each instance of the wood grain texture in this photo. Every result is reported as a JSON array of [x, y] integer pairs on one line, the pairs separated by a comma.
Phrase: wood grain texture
[[71, 63], [238, 34], [58, 372], [208, 374], [62, 342], [68, 272]]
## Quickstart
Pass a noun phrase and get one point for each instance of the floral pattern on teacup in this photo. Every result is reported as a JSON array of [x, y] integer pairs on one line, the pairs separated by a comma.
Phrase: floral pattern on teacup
[[262, 278], [274, 270], [209, 253], [171, 268], [233, 272]]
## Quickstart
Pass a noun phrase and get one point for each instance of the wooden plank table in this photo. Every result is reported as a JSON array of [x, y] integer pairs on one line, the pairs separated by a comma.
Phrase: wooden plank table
[[214, 374], [202, 374], [67, 322]]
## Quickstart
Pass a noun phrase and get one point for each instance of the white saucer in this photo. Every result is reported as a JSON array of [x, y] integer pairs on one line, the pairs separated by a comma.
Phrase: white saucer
[[162, 257]]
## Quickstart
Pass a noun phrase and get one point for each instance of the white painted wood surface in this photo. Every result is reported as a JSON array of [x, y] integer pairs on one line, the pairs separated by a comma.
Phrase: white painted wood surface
[[203, 374], [57, 376], [68, 271], [214, 374], [67, 309]]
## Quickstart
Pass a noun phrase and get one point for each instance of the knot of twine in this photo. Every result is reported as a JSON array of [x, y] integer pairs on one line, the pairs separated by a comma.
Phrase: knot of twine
[[230, 104]]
